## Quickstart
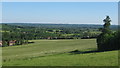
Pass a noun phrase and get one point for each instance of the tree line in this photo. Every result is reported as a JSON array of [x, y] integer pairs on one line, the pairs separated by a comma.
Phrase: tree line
[[22, 32]]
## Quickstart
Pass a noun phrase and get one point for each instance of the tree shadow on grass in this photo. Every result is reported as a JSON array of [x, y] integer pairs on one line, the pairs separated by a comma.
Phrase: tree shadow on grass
[[85, 52]]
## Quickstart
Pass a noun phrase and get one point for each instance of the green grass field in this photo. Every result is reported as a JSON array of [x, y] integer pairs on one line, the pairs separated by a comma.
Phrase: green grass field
[[56, 53]]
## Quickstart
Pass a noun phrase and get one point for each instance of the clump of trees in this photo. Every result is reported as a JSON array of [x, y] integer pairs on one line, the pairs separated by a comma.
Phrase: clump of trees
[[20, 38], [108, 40]]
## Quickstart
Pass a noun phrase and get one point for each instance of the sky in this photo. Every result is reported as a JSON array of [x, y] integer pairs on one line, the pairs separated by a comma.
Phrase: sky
[[60, 0], [59, 12]]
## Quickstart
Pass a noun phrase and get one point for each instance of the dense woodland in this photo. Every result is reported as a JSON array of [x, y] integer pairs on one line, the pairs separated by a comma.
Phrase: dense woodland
[[22, 32]]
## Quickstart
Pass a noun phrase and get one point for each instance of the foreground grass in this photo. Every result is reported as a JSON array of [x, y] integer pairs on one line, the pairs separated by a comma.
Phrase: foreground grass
[[56, 53], [109, 58]]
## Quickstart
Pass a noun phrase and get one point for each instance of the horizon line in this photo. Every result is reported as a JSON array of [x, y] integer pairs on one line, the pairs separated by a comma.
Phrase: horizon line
[[51, 23]]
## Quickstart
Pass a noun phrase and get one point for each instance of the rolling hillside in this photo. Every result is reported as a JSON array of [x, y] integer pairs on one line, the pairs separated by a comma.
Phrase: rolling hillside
[[58, 53]]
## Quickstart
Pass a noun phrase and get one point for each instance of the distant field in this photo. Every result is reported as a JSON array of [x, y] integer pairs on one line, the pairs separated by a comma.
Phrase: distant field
[[55, 53], [45, 47]]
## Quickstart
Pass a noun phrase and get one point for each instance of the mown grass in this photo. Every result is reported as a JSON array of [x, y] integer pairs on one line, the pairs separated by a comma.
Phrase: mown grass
[[67, 59], [46, 47], [56, 53]]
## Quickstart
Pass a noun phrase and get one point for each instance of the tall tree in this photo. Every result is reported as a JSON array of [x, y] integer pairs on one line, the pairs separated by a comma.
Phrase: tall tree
[[107, 24], [106, 35]]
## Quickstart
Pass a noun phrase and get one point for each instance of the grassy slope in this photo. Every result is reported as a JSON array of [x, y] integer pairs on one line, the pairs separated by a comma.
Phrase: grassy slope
[[54, 52], [46, 47], [91, 59]]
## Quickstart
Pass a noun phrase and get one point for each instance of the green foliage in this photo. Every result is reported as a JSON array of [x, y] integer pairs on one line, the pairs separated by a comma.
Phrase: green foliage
[[107, 24], [108, 40], [103, 41], [22, 32], [115, 41]]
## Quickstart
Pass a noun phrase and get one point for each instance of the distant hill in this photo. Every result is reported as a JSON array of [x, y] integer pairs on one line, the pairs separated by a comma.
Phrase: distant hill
[[95, 26]]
